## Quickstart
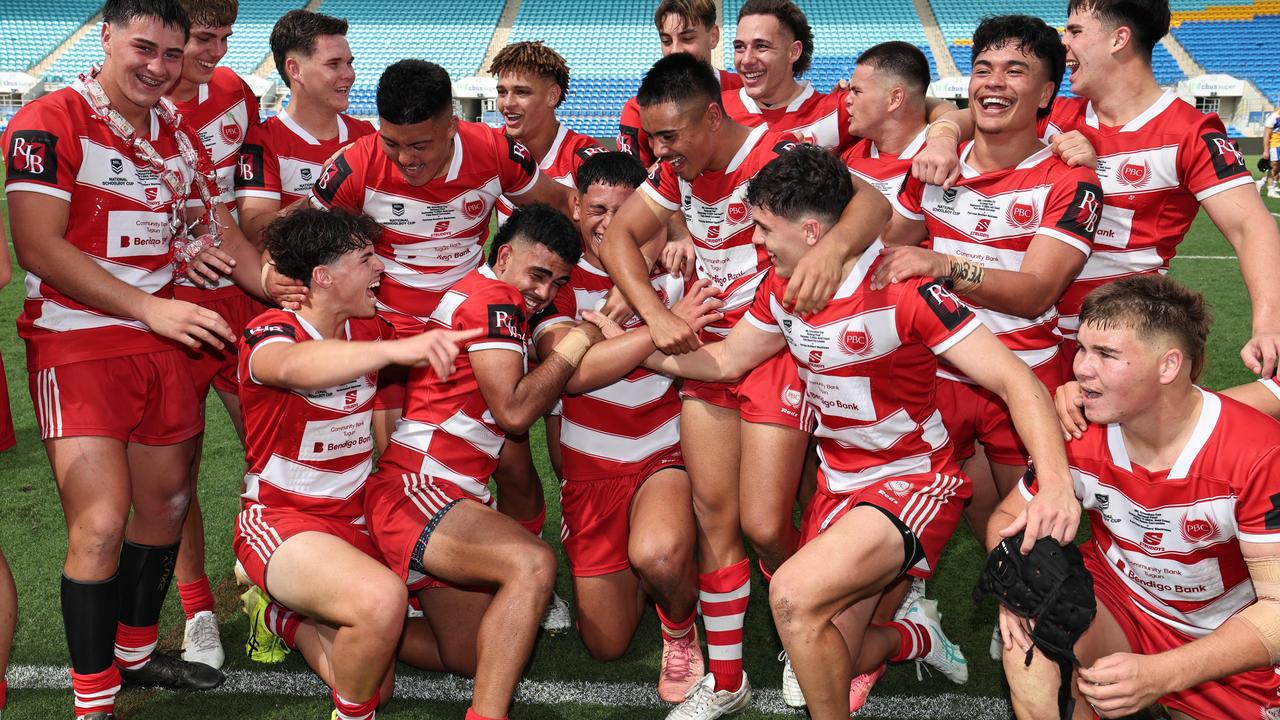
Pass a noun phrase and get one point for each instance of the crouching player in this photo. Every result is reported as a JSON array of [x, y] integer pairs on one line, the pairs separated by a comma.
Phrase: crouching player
[[1179, 484], [889, 490], [307, 381], [482, 579]]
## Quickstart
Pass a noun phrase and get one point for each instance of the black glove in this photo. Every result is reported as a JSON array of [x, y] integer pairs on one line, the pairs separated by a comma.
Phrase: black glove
[[1264, 164]]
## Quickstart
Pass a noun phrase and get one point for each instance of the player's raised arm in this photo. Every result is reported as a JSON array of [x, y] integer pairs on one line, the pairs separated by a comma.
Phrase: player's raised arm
[[818, 273]]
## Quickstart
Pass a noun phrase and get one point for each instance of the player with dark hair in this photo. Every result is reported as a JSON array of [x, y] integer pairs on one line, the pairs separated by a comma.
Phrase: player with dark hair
[[482, 579], [1179, 485], [282, 158], [93, 224], [890, 493], [742, 439], [887, 111], [1011, 235], [307, 380]]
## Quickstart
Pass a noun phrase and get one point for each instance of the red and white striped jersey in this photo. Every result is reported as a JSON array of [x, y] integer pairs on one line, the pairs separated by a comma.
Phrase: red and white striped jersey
[[281, 161], [117, 217], [882, 171], [992, 217], [448, 432], [432, 235], [612, 431], [715, 210], [816, 117], [222, 113], [1173, 537], [1155, 171], [568, 151], [307, 450], [868, 361], [632, 138], [1272, 385]]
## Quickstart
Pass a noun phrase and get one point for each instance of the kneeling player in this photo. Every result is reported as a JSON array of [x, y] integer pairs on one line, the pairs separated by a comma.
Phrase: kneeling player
[[307, 381], [890, 492], [429, 505], [1179, 485]]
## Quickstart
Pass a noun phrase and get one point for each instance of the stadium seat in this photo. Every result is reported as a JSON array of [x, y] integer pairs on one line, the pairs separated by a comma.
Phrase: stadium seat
[[30, 31]]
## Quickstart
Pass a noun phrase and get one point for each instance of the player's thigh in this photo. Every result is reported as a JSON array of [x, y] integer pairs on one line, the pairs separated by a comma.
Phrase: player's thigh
[[325, 577], [1006, 477], [710, 442], [516, 473], [476, 545], [231, 401], [662, 517], [1104, 637], [454, 615], [608, 611], [772, 461]]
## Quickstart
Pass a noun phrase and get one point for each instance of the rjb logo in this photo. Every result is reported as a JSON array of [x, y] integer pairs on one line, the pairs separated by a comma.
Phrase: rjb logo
[[246, 166], [29, 156], [330, 173]]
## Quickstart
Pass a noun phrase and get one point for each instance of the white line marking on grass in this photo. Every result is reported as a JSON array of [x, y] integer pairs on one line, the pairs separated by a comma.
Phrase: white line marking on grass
[[1206, 257], [948, 706]]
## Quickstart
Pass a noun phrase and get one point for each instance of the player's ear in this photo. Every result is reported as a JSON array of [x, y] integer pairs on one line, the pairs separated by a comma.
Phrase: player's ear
[[1121, 37], [292, 69], [575, 205], [1046, 94], [714, 32], [504, 257], [812, 231], [713, 115], [1171, 364], [453, 124], [897, 96], [106, 38], [321, 277], [553, 97]]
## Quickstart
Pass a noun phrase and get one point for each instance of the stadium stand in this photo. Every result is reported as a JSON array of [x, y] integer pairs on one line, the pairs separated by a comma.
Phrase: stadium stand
[[1162, 63], [1235, 47], [30, 31]]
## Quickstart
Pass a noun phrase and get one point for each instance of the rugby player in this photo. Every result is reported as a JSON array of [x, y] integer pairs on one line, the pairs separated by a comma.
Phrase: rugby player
[[1178, 482], [742, 439], [307, 381], [886, 107], [93, 224], [890, 492], [221, 109], [1012, 232], [281, 159], [1160, 161], [483, 580], [1271, 150]]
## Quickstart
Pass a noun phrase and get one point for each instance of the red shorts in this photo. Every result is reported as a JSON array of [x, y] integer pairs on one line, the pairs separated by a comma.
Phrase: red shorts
[[147, 399], [771, 393], [1250, 694], [928, 506], [219, 367], [972, 414], [7, 436], [261, 530], [595, 520]]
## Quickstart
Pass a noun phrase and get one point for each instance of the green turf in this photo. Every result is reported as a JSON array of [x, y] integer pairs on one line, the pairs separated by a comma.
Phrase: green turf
[[33, 539]]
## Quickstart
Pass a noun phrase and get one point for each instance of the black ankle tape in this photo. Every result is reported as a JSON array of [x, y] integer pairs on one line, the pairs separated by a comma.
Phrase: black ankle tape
[[145, 574], [89, 613]]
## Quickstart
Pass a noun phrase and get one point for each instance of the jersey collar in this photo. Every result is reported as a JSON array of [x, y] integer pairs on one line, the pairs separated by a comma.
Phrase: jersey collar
[[910, 150], [455, 163], [752, 108], [967, 171], [307, 137], [1210, 411], [860, 271], [311, 330], [1160, 105], [554, 151], [748, 145]]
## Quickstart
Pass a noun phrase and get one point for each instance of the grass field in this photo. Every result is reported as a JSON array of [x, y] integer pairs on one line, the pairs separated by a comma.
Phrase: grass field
[[562, 680]]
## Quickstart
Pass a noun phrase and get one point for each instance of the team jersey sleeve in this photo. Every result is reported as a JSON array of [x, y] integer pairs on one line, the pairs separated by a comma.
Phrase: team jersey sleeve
[[252, 110], [1257, 504], [563, 309], [336, 186], [1064, 116], [258, 172], [1209, 162], [760, 314], [907, 202], [500, 313], [1073, 209], [517, 170], [934, 316], [41, 152], [632, 138], [663, 187], [267, 329]]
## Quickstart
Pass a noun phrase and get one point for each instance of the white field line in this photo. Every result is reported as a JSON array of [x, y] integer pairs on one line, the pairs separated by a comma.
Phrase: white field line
[[1205, 257], [948, 706]]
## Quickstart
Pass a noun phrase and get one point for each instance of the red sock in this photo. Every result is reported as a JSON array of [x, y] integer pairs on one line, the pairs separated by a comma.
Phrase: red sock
[[348, 710], [134, 645], [534, 524], [473, 715], [96, 692], [197, 596], [914, 640], [672, 630], [283, 623], [723, 595]]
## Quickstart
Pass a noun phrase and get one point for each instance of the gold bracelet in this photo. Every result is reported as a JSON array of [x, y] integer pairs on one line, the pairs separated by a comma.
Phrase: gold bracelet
[[936, 124], [966, 275]]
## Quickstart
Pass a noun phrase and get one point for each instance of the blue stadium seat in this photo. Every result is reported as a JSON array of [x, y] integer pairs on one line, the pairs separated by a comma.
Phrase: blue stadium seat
[[1235, 47], [30, 31]]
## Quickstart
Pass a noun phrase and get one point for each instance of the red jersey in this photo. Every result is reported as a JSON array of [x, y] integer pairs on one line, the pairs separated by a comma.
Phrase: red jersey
[[307, 450], [868, 363], [1172, 537], [719, 220], [281, 161], [118, 217], [432, 235], [1155, 171], [613, 430], [568, 151], [632, 138], [820, 118], [222, 113], [883, 171], [447, 431], [992, 217]]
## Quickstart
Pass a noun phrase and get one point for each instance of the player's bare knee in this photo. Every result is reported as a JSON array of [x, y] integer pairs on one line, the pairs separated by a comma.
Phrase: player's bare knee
[[660, 560], [535, 569], [97, 538], [381, 605], [603, 646]]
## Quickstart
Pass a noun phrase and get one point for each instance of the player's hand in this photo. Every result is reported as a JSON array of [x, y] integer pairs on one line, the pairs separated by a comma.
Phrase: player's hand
[[1122, 684], [678, 257], [617, 308], [607, 325], [210, 266], [187, 323], [286, 291], [1074, 149], [437, 348], [1069, 402], [905, 262], [1015, 631], [938, 162], [700, 305], [816, 278], [671, 334], [1262, 354], [1053, 512], [336, 153]]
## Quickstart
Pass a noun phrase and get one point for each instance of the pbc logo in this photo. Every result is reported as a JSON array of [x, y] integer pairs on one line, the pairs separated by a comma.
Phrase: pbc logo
[[738, 212], [1135, 174], [791, 397], [117, 165], [32, 156], [397, 209], [1152, 539], [815, 357], [982, 225], [899, 487], [232, 133], [441, 228], [1022, 214], [473, 208], [856, 342], [1195, 530]]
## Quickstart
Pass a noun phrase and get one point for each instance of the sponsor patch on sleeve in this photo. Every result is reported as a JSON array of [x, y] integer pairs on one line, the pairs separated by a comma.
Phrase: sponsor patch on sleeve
[[520, 155], [506, 323], [629, 140], [586, 152], [249, 168], [785, 146], [655, 176], [331, 178], [1228, 161], [255, 335], [1084, 212], [32, 155], [945, 306]]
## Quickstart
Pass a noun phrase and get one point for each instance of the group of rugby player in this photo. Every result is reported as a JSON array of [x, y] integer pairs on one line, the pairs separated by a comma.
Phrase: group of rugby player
[[746, 315]]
